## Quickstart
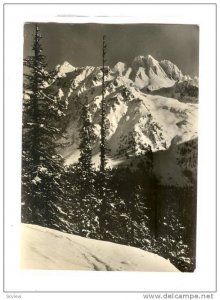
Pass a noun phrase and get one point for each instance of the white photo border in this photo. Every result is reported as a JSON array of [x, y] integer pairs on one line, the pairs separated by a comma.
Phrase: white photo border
[[204, 279]]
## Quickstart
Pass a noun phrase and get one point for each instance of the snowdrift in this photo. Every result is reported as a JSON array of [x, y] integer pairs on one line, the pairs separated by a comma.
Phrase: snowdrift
[[48, 249]]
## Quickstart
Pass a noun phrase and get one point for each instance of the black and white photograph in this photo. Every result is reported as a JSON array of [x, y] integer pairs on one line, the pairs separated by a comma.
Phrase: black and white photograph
[[109, 147]]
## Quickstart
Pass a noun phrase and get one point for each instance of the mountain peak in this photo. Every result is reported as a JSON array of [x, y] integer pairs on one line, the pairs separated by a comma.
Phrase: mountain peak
[[120, 68], [66, 67], [138, 61], [151, 60], [142, 61], [147, 72]]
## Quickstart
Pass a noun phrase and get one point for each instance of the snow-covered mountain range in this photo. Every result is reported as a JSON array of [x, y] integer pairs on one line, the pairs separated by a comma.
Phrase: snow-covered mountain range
[[146, 72], [149, 103]]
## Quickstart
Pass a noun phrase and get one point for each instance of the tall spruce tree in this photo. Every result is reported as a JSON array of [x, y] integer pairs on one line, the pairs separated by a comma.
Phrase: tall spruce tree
[[150, 185], [103, 174], [42, 168], [82, 181], [138, 225], [87, 138], [103, 111]]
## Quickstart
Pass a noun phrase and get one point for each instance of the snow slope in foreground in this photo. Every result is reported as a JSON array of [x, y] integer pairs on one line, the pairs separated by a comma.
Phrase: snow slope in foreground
[[44, 248]]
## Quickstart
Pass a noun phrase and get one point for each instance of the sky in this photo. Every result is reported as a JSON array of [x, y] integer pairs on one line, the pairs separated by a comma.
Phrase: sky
[[81, 44]]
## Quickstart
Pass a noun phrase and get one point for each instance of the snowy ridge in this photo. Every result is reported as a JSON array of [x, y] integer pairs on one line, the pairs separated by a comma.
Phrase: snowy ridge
[[48, 249], [171, 70], [185, 91], [193, 81], [133, 116]]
